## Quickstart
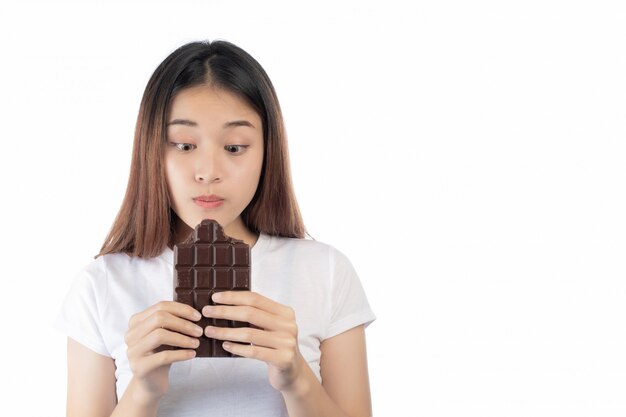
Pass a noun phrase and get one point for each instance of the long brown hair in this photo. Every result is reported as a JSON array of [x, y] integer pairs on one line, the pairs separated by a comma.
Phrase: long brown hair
[[145, 223]]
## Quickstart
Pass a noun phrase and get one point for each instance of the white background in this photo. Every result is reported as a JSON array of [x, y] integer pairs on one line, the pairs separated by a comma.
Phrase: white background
[[483, 142]]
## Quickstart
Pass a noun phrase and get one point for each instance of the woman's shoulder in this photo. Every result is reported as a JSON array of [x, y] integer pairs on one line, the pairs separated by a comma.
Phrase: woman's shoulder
[[305, 247], [291, 243], [113, 264]]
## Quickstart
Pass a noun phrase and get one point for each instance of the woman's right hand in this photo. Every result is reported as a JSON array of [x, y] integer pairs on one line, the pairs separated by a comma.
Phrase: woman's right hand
[[164, 323]]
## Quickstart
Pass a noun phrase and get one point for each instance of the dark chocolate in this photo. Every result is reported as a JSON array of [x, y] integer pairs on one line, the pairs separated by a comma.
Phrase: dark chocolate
[[211, 263]]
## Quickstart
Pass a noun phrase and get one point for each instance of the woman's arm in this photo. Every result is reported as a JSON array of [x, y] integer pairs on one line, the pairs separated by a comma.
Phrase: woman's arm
[[90, 382], [91, 387], [345, 387], [344, 371], [91, 377]]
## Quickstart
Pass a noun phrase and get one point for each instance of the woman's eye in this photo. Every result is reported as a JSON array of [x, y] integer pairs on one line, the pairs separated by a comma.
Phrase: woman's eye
[[235, 149], [185, 147]]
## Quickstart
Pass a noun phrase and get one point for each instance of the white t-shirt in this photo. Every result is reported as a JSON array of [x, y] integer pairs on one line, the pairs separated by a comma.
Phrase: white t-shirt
[[313, 278]]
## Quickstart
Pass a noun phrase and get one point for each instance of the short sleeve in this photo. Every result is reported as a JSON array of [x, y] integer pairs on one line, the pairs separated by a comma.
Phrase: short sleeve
[[349, 305], [80, 314]]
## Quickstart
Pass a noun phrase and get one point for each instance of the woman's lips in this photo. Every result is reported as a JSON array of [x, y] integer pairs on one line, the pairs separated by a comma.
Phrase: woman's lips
[[209, 201]]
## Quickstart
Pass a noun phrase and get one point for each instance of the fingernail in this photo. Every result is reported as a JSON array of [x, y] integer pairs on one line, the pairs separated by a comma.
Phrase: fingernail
[[207, 310], [218, 296], [198, 330], [209, 331], [197, 315]]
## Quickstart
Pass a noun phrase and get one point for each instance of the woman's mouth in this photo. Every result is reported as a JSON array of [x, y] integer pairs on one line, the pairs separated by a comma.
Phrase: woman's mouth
[[209, 201]]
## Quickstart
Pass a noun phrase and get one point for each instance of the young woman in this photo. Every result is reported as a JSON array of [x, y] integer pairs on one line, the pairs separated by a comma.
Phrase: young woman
[[210, 143]]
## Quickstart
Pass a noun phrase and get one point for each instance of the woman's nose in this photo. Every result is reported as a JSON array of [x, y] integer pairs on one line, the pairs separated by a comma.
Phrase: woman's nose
[[208, 169], [207, 178]]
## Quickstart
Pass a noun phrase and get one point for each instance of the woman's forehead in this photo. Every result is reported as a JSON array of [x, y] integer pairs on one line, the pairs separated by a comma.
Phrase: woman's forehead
[[209, 101]]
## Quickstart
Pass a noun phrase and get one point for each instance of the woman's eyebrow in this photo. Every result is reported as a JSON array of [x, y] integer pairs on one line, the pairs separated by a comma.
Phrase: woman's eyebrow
[[183, 122], [234, 123], [237, 123]]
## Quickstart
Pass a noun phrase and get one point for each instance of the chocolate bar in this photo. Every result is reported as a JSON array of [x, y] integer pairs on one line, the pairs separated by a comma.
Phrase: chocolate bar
[[210, 263]]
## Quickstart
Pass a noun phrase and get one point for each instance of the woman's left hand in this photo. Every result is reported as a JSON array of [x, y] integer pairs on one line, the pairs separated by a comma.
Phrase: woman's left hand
[[274, 342]]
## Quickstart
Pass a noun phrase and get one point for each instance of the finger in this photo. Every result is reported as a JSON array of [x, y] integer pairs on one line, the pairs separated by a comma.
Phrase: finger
[[282, 359], [250, 335], [160, 337], [166, 357], [164, 320], [251, 315], [178, 309], [253, 299]]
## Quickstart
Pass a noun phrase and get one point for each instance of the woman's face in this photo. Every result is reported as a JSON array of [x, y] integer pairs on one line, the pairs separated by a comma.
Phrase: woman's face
[[213, 157]]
